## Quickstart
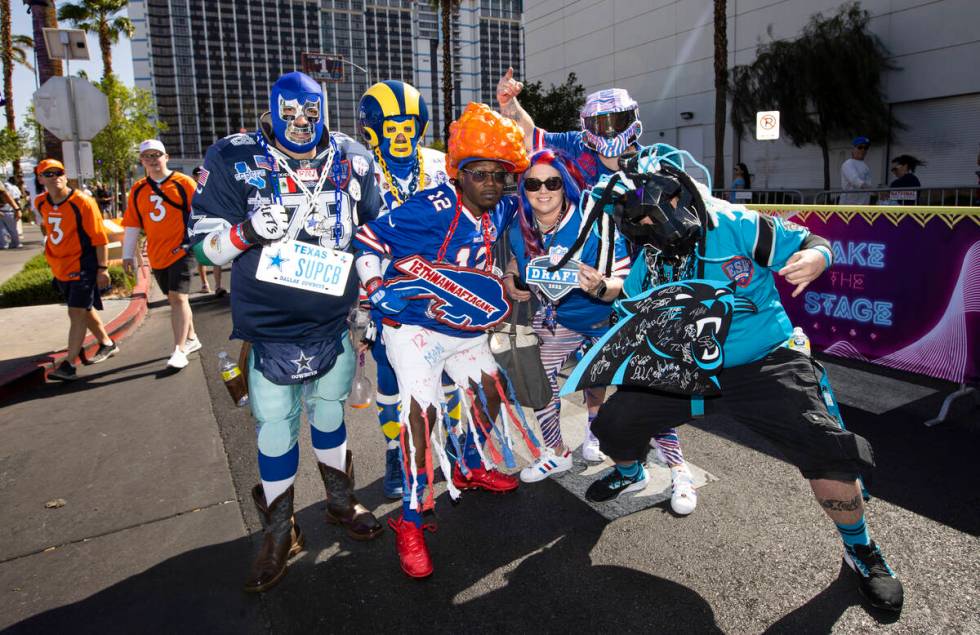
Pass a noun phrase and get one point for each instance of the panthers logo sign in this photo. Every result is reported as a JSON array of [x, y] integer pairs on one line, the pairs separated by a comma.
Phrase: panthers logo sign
[[668, 338], [461, 297]]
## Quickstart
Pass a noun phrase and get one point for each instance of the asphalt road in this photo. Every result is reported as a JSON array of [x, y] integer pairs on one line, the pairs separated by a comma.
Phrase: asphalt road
[[757, 555]]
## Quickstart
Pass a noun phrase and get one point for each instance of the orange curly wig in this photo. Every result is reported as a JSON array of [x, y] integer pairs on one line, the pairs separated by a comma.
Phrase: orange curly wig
[[482, 134]]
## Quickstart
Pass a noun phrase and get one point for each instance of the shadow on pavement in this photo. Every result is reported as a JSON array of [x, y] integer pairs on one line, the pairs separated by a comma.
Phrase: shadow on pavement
[[490, 575], [89, 378], [821, 613], [909, 456]]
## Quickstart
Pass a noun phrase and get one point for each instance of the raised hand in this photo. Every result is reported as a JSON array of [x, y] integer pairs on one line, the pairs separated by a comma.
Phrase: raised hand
[[508, 88]]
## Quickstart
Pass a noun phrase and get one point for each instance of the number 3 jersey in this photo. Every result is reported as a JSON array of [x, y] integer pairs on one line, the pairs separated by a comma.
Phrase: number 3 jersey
[[239, 177], [162, 214], [420, 226]]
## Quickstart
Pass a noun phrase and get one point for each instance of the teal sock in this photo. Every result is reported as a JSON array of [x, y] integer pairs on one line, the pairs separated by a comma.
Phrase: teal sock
[[856, 534], [630, 471]]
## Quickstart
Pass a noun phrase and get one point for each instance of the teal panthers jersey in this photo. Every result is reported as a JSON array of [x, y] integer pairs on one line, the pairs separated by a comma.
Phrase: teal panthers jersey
[[746, 248]]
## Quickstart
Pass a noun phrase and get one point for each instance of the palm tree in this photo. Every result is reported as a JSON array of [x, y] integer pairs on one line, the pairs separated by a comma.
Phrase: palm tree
[[43, 16], [721, 85], [447, 8], [96, 16]]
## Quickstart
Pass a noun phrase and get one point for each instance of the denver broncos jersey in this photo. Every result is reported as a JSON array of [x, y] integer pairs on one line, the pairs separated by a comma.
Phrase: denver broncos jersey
[[744, 247], [236, 180], [434, 167], [577, 310], [162, 214], [420, 227], [571, 144], [72, 230]]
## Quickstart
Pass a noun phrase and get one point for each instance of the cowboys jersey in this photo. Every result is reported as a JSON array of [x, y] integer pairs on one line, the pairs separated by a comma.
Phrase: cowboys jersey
[[239, 177]]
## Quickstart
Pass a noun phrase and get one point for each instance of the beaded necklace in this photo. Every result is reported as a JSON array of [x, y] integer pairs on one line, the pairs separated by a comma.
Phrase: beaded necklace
[[417, 183], [484, 227]]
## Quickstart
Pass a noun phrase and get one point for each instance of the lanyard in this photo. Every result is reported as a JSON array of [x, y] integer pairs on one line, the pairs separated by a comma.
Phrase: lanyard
[[484, 227], [279, 160]]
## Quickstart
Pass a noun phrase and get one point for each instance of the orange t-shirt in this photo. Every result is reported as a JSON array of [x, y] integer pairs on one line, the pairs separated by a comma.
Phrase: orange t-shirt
[[73, 229], [163, 218]]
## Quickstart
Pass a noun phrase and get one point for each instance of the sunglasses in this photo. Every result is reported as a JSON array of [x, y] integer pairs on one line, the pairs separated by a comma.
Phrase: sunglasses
[[862, 147], [52, 173], [479, 176], [151, 156], [552, 183]]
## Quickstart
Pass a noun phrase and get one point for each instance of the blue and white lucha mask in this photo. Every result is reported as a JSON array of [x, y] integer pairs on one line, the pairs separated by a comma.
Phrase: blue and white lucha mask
[[393, 117], [610, 122], [296, 96]]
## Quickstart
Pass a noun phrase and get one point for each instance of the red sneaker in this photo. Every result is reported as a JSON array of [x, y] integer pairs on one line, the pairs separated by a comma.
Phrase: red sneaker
[[482, 478], [412, 550]]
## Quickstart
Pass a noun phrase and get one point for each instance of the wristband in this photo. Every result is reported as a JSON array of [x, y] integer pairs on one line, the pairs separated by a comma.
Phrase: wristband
[[826, 255], [102, 268], [372, 285], [238, 239]]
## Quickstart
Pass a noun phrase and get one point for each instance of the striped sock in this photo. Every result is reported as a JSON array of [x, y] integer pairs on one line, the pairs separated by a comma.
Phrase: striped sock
[[856, 534]]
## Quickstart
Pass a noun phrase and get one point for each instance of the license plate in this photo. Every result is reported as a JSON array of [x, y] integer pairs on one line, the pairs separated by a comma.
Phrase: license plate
[[300, 265]]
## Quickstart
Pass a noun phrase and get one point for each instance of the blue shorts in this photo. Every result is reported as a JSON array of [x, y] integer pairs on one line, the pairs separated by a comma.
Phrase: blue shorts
[[82, 292]]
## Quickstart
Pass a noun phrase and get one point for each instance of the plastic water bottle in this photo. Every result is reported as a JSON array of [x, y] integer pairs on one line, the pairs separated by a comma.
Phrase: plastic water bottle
[[233, 378], [361, 390], [798, 341]]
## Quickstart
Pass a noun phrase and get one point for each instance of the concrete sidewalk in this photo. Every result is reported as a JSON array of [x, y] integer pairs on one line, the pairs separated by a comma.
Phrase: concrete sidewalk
[[12, 260], [123, 472]]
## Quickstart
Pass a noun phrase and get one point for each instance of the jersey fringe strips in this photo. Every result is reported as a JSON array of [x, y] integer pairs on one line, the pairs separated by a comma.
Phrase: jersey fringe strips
[[497, 447]]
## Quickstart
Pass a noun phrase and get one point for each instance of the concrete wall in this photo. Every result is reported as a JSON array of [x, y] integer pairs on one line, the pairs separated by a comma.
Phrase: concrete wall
[[662, 52]]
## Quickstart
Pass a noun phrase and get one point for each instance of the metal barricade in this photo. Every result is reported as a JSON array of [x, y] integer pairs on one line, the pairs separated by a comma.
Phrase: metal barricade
[[953, 196], [761, 197]]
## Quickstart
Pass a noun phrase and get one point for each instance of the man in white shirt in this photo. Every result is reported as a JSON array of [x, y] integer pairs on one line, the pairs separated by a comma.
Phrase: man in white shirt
[[855, 174]]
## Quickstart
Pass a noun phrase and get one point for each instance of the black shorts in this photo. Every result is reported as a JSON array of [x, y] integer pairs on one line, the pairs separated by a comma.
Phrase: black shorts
[[82, 292], [177, 277], [779, 397]]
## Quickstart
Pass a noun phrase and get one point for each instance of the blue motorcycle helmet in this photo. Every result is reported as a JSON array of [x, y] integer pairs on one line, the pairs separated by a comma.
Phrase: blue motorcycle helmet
[[293, 95], [393, 117]]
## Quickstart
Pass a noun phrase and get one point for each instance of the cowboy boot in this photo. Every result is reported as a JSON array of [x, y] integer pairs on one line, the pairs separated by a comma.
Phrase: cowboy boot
[[343, 507], [282, 539]]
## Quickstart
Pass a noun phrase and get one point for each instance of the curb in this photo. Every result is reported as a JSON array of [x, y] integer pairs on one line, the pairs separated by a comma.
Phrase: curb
[[34, 373]]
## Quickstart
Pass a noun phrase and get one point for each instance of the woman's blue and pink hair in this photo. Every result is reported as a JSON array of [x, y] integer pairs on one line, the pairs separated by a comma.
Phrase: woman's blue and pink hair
[[573, 184]]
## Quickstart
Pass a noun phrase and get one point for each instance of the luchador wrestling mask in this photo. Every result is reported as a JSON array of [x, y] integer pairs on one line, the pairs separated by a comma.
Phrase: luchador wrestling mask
[[610, 122], [664, 211], [393, 117], [296, 105]]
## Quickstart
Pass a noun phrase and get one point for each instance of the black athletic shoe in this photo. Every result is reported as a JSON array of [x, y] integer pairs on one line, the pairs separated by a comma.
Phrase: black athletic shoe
[[105, 352], [65, 372], [878, 583], [613, 483]]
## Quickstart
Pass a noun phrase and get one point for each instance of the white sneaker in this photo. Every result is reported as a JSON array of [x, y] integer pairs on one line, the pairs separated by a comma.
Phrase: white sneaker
[[191, 345], [178, 360], [590, 449], [546, 465], [683, 496]]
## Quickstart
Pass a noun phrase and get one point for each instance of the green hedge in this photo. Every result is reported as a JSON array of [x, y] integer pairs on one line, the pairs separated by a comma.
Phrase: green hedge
[[32, 285]]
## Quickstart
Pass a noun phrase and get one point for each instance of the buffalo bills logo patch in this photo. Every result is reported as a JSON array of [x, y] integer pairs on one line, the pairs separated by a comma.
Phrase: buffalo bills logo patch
[[340, 174], [461, 297], [739, 270]]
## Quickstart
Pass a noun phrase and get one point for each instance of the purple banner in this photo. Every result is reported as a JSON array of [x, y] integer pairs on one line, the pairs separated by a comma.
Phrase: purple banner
[[904, 290]]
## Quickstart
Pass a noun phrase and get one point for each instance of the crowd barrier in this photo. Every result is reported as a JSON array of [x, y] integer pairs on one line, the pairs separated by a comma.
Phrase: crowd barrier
[[904, 291], [953, 196]]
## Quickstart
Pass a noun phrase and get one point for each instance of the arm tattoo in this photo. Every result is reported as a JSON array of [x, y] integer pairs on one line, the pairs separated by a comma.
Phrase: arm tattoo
[[835, 505], [511, 110]]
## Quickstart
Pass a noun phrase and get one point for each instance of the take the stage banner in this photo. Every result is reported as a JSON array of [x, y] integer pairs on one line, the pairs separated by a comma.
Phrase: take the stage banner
[[904, 290]]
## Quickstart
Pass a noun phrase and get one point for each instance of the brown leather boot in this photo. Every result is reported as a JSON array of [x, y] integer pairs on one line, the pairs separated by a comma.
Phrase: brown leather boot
[[282, 539], [342, 506]]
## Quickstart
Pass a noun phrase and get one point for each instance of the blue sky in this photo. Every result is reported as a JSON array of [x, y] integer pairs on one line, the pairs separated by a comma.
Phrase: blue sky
[[24, 82]]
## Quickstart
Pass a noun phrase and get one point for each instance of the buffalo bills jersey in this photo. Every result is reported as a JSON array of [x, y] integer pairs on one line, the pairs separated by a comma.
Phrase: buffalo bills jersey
[[577, 310], [571, 144], [238, 178], [746, 248], [420, 227]]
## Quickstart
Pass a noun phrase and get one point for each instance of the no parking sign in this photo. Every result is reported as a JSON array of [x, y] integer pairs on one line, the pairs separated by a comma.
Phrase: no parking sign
[[767, 125]]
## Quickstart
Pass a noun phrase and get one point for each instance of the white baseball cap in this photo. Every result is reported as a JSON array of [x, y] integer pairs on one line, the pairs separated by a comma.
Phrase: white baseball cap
[[152, 144]]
